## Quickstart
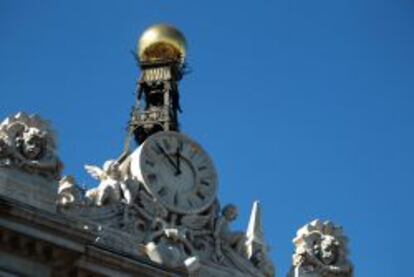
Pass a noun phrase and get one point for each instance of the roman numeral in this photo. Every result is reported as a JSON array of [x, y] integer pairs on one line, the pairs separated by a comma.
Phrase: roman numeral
[[156, 149], [166, 144], [201, 168], [190, 202], [176, 198], [200, 195], [150, 163], [152, 177], [203, 191], [163, 191], [180, 145]]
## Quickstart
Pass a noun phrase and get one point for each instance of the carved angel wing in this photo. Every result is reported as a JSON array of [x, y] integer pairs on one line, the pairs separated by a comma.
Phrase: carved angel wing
[[95, 172]]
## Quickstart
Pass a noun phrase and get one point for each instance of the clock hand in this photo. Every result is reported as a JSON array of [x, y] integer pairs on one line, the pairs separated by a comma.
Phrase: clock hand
[[167, 156], [177, 157]]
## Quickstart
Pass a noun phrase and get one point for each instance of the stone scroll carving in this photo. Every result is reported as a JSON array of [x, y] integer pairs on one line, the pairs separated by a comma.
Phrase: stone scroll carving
[[27, 143], [321, 250]]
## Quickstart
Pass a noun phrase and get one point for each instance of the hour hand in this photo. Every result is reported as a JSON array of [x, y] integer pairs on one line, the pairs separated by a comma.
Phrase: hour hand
[[167, 156]]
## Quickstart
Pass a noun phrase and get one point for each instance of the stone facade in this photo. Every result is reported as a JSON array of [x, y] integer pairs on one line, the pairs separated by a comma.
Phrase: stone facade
[[37, 242], [50, 226]]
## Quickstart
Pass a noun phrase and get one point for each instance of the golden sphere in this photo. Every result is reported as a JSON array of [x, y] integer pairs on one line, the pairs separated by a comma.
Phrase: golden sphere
[[161, 42]]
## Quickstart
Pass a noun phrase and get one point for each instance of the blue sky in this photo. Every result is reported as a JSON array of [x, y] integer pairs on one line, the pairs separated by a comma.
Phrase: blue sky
[[304, 105]]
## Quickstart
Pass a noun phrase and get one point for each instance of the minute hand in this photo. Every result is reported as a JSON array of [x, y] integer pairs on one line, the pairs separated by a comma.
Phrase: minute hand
[[167, 156], [177, 157]]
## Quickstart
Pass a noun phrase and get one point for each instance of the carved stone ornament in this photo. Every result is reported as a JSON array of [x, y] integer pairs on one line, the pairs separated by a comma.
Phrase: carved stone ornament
[[321, 250], [28, 143], [112, 187], [126, 216]]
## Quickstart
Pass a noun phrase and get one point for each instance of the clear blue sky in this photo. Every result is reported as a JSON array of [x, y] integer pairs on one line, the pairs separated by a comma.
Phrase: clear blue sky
[[305, 105]]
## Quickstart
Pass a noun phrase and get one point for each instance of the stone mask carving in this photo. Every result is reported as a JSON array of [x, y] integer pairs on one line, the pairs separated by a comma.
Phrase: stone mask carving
[[327, 250], [321, 249], [31, 144], [28, 143]]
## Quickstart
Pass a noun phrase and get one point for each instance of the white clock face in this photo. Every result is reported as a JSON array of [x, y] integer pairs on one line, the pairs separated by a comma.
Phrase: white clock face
[[176, 171]]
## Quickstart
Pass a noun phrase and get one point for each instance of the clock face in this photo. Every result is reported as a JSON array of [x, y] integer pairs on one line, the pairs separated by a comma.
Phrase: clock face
[[176, 171]]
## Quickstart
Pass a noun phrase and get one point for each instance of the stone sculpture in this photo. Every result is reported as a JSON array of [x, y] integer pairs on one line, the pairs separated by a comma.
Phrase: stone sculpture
[[68, 192], [224, 237], [126, 216], [28, 143], [320, 250], [112, 187]]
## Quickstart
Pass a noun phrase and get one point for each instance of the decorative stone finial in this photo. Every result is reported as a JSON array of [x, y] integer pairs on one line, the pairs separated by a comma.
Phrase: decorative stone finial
[[256, 247], [254, 233]]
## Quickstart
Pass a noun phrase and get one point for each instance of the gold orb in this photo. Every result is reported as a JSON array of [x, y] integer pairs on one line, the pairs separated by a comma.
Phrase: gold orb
[[161, 42]]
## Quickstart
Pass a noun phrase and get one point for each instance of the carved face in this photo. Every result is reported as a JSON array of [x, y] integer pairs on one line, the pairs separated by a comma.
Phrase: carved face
[[230, 212], [32, 146], [114, 173], [327, 250]]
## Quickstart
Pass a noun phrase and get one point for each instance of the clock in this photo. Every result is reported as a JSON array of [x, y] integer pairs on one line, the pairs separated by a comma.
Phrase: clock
[[176, 171]]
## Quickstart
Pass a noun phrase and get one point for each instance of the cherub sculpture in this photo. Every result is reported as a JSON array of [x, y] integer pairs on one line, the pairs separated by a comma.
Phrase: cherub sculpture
[[224, 237], [68, 192], [28, 143], [112, 187], [321, 251]]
